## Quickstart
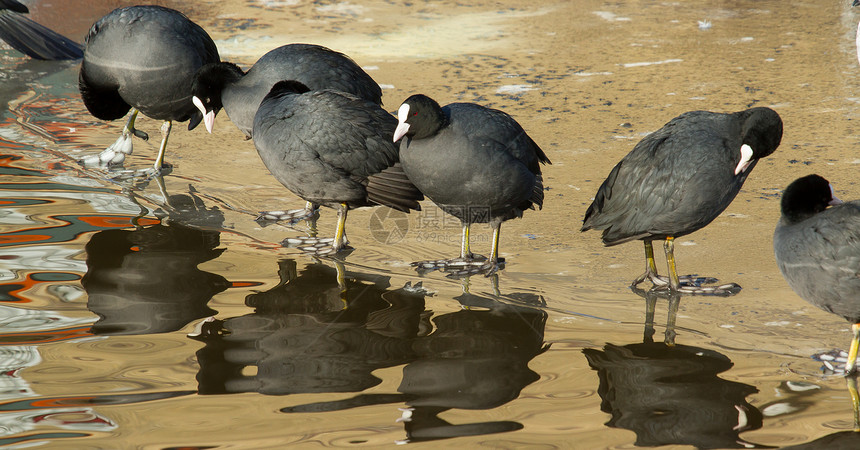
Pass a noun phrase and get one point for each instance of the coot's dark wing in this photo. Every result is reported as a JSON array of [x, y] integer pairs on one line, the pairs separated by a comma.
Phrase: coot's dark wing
[[674, 181], [33, 39], [820, 258], [350, 134], [497, 130], [338, 144]]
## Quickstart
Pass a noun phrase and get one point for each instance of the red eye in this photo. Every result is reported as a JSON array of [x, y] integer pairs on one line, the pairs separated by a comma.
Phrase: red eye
[[415, 114]]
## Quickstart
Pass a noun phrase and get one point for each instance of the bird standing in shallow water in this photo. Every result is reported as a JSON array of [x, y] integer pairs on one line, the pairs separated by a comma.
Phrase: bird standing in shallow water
[[677, 180], [818, 251], [143, 59], [332, 149], [224, 85], [475, 163]]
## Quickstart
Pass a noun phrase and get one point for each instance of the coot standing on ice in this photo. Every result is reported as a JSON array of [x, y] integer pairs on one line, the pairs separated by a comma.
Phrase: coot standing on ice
[[677, 180], [31, 38], [332, 149], [224, 84], [818, 251], [475, 163], [143, 59]]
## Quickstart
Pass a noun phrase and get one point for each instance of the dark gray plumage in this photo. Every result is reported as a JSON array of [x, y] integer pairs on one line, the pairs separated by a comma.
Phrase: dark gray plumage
[[476, 163], [680, 178], [818, 250], [332, 148], [225, 85], [143, 58], [31, 38]]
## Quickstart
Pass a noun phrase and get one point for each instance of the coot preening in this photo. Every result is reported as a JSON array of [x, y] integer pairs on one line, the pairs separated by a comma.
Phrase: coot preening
[[475, 163], [31, 38], [818, 251], [332, 149], [143, 59], [224, 84], [677, 180]]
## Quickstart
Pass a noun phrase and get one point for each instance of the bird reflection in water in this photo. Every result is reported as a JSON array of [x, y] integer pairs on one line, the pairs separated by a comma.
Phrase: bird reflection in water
[[318, 330], [146, 280], [670, 394], [475, 358]]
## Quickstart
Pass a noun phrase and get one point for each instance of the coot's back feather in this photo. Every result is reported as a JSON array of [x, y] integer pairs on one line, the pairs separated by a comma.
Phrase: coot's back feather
[[331, 147]]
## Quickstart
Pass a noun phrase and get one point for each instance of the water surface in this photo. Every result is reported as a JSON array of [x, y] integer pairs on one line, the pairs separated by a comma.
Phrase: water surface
[[157, 315]]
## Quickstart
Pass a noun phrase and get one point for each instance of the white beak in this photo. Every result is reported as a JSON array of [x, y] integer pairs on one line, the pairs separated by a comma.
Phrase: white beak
[[402, 126], [208, 117], [746, 159], [833, 199]]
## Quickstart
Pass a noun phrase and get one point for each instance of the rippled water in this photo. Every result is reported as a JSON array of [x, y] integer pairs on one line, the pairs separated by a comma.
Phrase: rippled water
[[161, 315]]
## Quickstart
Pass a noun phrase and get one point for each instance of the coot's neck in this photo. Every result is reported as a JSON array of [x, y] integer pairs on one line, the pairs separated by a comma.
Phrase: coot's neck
[[227, 72]]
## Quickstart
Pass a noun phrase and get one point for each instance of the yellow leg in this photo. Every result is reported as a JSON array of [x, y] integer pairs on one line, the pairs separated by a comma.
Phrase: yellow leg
[[852, 351], [494, 254], [165, 133], [674, 283], [338, 243], [129, 124], [650, 265], [465, 252]]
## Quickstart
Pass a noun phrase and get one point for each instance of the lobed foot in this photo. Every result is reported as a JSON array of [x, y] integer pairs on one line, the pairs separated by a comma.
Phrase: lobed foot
[[141, 176], [292, 216], [461, 267], [112, 156], [833, 362], [690, 284], [316, 246]]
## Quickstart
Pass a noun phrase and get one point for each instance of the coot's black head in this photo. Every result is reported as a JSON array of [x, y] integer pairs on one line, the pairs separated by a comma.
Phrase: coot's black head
[[209, 81], [762, 131], [286, 87], [419, 117], [806, 197]]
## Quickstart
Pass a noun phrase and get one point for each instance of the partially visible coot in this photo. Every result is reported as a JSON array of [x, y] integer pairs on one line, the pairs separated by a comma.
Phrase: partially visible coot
[[224, 85], [475, 163], [332, 149], [33, 39], [818, 251], [677, 180], [143, 59]]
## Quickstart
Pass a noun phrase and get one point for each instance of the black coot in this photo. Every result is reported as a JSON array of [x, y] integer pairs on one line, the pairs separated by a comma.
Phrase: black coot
[[333, 149], [818, 250], [143, 58], [476, 163], [31, 38], [224, 84], [680, 178]]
